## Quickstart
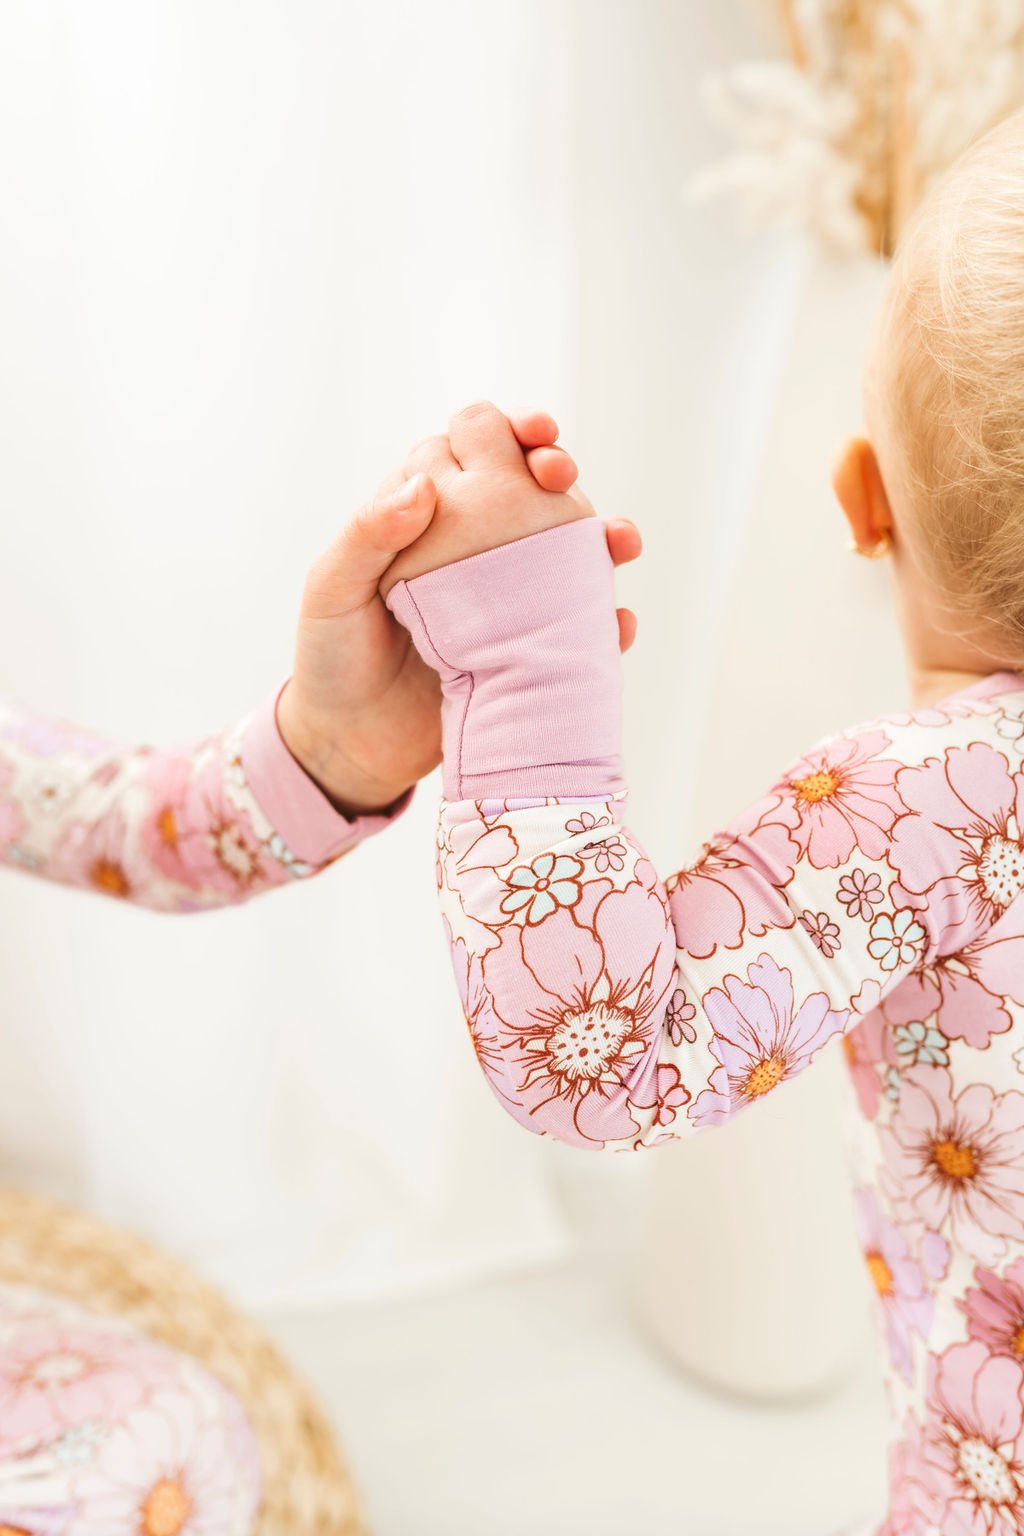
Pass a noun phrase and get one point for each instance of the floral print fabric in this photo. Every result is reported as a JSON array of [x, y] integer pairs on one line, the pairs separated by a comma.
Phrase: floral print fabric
[[105, 1433], [179, 831], [870, 902]]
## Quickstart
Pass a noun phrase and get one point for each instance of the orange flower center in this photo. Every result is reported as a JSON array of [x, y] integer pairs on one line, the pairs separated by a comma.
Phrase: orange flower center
[[850, 1049], [816, 786], [1018, 1341], [880, 1273], [167, 827], [109, 877], [765, 1076], [165, 1510], [955, 1159]]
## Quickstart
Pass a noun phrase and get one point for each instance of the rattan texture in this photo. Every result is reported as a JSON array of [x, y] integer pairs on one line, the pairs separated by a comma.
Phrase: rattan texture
[[55, 1248]]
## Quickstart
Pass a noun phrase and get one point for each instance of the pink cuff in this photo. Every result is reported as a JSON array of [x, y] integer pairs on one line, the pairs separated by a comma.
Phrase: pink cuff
[[526, 642], [293, 803]]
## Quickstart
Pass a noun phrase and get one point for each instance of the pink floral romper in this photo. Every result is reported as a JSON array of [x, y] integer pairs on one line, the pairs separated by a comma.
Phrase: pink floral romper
[[871, 900]]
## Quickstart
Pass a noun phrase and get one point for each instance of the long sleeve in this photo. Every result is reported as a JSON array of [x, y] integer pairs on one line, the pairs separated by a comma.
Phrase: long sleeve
[[209, 824], [611, 1008]]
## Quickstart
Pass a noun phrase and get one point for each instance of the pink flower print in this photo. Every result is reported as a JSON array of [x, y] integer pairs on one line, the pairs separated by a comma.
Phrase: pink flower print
[[963, 993], [859, 892], [896, 940], [760, 1037], [973, 1456], [671, 1095], [172, 1468], [824, 933], [995, 1310], [579, 1038], [1011, 728], [586, 821], [906, 1306], [163, 829], [195, 834], [909, 1500], [102, 856], [935, 1255], [471, 849], [54, 1376], [735, 889], [867, 999], [957, 1163], [679, 1016], [538, 889], [962, 705], [838, 798], [960, 845], [868, 1049], [482, 1023], [481, 844], [608, 855], [611, 853]]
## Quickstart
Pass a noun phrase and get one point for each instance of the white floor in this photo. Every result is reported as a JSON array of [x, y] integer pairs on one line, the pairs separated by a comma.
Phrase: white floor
[[533, 1408]]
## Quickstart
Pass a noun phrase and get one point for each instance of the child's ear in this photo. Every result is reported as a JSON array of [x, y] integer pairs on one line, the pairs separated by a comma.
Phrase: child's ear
[[857, 482]]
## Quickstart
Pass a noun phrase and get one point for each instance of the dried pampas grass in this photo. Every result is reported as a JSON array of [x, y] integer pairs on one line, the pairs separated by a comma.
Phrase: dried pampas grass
[[875, 100]]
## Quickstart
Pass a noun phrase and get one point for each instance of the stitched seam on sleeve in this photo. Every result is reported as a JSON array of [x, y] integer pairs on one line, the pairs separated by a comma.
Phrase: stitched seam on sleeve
[[469, 699]]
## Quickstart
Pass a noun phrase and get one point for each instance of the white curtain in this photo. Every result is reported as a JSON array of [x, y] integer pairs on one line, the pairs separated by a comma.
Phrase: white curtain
[[249, 252]]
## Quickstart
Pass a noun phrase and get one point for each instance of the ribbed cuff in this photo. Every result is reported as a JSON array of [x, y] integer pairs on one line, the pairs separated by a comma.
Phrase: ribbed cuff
[[293, 803], [526, 642]]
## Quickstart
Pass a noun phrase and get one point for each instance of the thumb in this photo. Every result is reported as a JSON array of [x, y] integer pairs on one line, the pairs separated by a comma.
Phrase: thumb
[[345, 577]]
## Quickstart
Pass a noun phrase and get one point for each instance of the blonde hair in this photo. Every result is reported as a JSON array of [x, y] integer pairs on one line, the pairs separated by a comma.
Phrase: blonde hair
[[946, 385]]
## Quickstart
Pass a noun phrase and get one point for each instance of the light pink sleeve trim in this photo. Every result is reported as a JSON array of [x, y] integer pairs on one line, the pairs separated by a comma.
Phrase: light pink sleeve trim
[[296, 807]]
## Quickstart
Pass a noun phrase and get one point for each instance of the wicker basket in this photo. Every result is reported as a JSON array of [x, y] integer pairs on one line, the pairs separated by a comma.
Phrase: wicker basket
[[55, 1248]]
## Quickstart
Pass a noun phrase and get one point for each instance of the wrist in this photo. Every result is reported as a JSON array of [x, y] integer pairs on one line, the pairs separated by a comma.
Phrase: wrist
[[525, 640], [319, 749]]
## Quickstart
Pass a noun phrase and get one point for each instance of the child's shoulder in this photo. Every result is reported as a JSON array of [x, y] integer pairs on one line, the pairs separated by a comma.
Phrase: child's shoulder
[[989, 712]]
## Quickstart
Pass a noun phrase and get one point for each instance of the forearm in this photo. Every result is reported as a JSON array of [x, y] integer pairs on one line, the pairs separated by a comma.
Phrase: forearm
[[561, 934], [209, 824]]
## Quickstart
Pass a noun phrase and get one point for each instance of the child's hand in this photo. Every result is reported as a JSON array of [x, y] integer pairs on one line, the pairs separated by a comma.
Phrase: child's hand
[[362, 712], [489, 491]]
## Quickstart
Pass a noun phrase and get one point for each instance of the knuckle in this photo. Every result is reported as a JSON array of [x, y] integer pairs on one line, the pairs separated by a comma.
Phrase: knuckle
[[475, 409], [359, 519], [428, 451]]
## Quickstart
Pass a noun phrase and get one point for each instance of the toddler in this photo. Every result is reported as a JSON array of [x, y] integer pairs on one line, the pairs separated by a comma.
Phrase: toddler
[[870, 898]]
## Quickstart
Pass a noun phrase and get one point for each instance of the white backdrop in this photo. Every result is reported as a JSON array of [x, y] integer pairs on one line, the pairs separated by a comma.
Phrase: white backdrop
[[248, 252]]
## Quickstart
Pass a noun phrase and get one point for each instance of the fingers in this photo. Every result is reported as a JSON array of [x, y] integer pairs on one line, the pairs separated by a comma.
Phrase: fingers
[[481, 437], [624, 541], [536, 433], [432, 456], [552, 468], [627, 627], [534, 429], [345, 577]]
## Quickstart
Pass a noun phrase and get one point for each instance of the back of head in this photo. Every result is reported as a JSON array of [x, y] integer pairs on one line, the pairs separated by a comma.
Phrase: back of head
[[945, 390]]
